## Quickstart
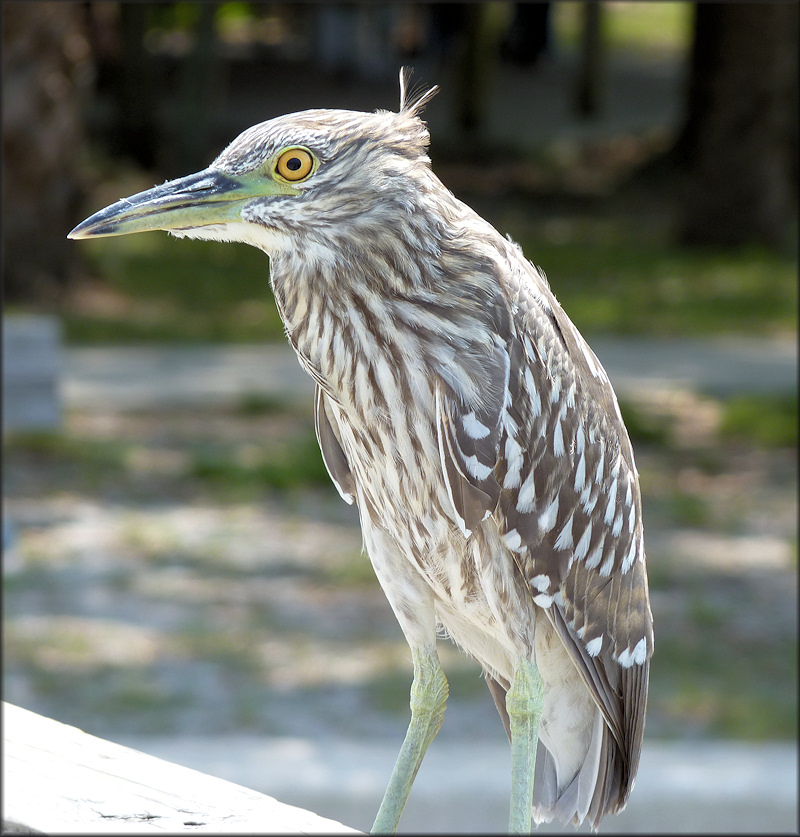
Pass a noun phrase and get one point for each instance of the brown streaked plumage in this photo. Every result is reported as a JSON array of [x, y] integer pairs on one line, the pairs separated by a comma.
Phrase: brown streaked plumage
[[462, 411]]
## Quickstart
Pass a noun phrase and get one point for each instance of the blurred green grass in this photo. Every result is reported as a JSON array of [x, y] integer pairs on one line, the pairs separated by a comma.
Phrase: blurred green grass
[[166, 290], [766, 420], [646, 29], [232, 471], [627, 287], [169, 290], [712, 670]]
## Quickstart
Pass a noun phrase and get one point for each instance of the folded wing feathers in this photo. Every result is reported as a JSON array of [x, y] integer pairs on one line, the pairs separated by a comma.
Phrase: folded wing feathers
[[553, 464]]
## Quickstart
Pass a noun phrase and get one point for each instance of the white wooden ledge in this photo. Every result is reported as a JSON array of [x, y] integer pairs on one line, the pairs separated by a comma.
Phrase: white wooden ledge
[[57, 778]]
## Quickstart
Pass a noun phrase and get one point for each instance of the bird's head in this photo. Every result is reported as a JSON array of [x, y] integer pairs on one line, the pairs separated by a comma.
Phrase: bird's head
[[310, 175]]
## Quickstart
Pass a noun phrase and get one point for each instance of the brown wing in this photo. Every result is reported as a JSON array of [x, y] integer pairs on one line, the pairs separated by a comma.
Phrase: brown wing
[[565, 493], [570, 488]]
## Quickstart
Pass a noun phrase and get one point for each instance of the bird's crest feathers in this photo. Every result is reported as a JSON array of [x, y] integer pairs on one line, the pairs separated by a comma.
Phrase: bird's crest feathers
[[412, 102]]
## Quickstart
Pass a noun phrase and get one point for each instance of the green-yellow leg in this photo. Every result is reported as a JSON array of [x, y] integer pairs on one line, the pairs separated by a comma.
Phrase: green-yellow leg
[[524, 704], [428, 698]]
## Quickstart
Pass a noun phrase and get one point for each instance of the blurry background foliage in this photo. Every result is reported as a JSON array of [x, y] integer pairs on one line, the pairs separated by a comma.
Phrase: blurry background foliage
[[136, 92], [681, 227]]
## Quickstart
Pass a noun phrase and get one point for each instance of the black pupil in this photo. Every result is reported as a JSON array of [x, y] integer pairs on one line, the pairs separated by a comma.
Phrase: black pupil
[[294, 163]]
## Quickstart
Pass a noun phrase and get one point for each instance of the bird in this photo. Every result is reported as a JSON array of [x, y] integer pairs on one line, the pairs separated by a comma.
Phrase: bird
[[475, 430]]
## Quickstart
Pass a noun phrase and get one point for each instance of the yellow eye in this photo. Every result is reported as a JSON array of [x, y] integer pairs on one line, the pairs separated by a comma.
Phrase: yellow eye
[[295, 164]]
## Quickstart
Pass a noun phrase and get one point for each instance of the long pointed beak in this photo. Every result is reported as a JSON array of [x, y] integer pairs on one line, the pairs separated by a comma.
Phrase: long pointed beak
[[198, 200]]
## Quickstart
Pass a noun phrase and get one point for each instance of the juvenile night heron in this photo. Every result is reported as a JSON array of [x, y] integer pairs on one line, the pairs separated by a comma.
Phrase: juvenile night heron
[[460, 408]]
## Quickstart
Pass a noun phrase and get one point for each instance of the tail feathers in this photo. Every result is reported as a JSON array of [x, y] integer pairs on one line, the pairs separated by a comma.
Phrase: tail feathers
[[601, 785], [593, 792]]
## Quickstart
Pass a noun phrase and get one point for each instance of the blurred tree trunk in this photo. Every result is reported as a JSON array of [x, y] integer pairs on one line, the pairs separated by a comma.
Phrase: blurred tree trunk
[[738, 146], [190, 134], [591, 81], [483, 25], [46, 70], [137, 89]]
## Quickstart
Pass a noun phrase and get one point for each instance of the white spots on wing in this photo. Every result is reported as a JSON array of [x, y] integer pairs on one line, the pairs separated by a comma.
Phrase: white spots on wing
[[564, 539], [543, 600], [580, 473], [612, 502], [536, 401], [474, 428], [570, 401], [526, 496], [580, 439], [629, 492], [512, 540], [530, 384], [514, 458], [617, 528], [607, 565], [589, 500], [548, 518], [598, 477], [556, 391], [529, 350], [477, 469], [625, 659], [640, 651], [595, 646], [558, 439], [508, 398], [632, 520], [512, 428], [627, 561], [512, 477], [596, 555], [582, 546], [638, 654], [541, 583], [558, 432]]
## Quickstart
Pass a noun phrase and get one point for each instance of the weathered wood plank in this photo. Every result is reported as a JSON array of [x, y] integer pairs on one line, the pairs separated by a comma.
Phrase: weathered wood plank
[[57, 778]]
